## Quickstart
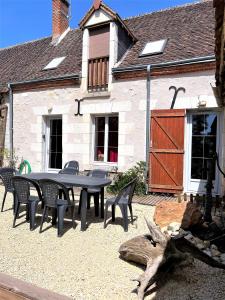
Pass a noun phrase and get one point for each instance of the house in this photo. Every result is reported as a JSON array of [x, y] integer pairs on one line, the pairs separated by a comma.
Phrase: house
[[92, 93]]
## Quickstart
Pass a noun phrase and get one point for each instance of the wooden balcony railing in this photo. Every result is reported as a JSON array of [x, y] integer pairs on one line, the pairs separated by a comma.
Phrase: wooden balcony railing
[[98, 72]]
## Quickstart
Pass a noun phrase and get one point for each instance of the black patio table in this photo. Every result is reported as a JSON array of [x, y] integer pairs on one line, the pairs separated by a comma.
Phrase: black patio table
[[85, 182]]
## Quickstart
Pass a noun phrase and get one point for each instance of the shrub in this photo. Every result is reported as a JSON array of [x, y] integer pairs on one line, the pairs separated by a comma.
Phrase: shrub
[[122, 179], [8, 161]]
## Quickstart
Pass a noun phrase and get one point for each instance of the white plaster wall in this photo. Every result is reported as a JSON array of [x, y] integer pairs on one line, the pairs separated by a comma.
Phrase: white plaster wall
[[128, 99], [99, 16], [197, 86], [29, 109]]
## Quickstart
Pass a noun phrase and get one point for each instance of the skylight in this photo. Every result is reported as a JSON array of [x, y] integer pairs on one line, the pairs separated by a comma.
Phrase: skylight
[[155, 47], [54, 63]]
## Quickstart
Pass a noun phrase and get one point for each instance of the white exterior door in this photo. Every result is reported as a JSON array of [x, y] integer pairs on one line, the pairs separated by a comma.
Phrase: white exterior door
[[202, 140], [53, 143]]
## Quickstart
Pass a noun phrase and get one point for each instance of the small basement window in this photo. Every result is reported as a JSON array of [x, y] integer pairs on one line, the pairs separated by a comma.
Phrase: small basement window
[[155, 47], [54, 63]]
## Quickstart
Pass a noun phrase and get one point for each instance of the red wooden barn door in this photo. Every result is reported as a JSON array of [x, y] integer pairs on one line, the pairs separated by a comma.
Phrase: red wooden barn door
[[166, 151]]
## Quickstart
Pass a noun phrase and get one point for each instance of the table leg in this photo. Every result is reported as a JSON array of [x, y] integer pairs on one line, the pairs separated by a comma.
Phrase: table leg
[[102, 202], [113, 213], [83, 209]]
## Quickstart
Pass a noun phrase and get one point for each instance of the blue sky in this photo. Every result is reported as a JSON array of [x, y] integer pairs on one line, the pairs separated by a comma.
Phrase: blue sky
[[25, 20]]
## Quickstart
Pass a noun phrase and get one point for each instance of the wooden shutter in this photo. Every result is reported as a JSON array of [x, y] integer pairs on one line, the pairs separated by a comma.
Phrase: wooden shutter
[[166, 151], [99, 42]]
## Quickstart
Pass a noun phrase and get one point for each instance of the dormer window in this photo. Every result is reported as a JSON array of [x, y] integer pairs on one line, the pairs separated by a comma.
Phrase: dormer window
[[98, 63]]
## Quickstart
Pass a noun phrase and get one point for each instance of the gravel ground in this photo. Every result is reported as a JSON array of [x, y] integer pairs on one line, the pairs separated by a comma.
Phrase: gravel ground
[[86, 265]]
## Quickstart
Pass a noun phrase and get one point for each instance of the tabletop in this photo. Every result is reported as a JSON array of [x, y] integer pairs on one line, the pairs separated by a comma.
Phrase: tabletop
[[72, 180]]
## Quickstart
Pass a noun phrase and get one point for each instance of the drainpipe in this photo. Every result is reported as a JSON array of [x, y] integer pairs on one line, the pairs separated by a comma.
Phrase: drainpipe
[[10, 121], [148, 116]]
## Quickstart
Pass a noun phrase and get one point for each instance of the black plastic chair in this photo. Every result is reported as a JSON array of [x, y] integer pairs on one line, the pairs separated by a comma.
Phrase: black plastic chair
[[123, 200], [70, 171], [22, 188], [94, 191], [50, 193], [6, 174], [72, 164]]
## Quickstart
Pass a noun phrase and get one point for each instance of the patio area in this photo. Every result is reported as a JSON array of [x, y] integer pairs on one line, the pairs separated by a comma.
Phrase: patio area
[[83, 265], [86, 265]]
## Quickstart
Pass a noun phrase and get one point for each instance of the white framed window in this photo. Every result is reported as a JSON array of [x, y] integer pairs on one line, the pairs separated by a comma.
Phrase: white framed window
[[106, 134]]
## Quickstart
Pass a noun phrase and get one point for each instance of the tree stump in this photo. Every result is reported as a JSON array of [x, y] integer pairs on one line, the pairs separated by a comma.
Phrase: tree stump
[[160, 254]]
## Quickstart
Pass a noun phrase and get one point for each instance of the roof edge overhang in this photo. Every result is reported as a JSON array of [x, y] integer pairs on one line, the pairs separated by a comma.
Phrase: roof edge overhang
[[190, 61], [57, 79], [111, 13]]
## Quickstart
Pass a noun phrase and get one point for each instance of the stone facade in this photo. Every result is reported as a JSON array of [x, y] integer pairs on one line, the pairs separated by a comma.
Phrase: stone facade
[[127, 99]]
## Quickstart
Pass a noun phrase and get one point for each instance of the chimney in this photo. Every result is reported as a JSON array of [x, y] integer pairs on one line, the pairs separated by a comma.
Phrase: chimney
[[97, 4], [60, 17]]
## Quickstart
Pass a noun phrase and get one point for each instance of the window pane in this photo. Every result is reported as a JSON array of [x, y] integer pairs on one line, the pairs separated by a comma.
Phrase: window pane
[[58, 162], [55, 146], [113, 139], [113, 124], [210, 124], [197, 146], [209, 146], [112, 154], [196, 168], [204, 129], [100, 138], [198, 124], [99, 154], [208, 163], [53, 124], [100, 124], [59, 127]]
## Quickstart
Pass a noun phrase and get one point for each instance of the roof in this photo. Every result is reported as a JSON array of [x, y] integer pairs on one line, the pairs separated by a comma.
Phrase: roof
[[189, 30], [26, 61]]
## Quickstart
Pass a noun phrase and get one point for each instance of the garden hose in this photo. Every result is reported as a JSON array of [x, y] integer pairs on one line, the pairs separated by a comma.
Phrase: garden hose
[[25, 164]]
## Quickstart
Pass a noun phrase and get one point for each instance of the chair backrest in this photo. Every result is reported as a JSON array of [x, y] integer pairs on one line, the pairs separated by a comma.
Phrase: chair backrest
[[6, 175], [72, 164], [22, 188], [70, 171], [50, 191], [127, 191], [98, 173]]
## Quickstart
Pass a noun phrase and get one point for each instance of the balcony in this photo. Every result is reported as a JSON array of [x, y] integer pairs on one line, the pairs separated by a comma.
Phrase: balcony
[[98, 70]]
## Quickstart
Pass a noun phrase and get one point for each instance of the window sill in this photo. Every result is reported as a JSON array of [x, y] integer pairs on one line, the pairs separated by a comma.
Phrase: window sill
[[105, 164], [104, 94]]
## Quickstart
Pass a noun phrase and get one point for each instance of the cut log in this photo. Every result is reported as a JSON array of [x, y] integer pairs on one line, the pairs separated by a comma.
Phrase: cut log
[[160, 254]]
